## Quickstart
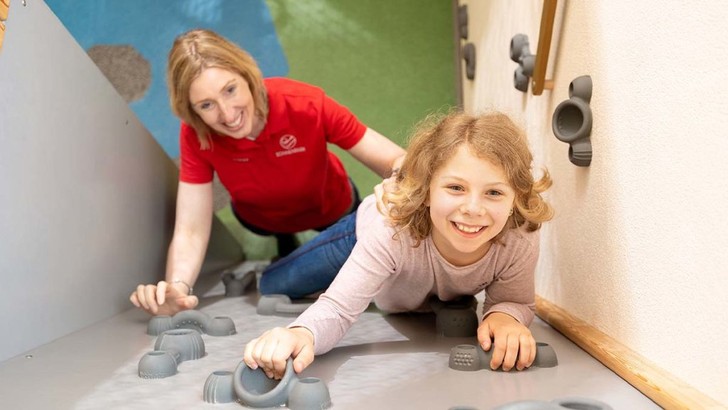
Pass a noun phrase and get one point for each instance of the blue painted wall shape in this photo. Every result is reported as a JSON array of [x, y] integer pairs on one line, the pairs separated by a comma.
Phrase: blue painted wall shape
[[151, 26]]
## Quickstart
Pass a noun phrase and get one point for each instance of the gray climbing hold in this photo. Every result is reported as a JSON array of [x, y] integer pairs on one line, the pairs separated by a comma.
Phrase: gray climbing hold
[[521, 54], [254, 389], [469, 57], [529, 405], [157, 365], [171, 348], [557, 404], [572, 121], [472, 358], [235, 286], [456, 318], [192, 319], [581, 403], [279, 305], [219, 388], [463, 21]]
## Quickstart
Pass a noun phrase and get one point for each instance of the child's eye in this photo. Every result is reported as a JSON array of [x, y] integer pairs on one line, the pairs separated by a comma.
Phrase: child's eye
[[455, 188], [494, 192]]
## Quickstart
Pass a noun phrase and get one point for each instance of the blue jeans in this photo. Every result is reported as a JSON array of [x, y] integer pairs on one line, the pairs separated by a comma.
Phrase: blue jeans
[[287, 242], [314, 265]]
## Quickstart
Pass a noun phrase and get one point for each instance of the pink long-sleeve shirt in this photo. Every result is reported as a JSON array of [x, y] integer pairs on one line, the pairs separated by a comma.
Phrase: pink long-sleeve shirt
[[399, 278]]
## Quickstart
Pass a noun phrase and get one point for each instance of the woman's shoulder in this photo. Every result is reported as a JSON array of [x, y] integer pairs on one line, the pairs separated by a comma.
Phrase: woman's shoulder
[[186, 130], [281, 87], [188, 136]]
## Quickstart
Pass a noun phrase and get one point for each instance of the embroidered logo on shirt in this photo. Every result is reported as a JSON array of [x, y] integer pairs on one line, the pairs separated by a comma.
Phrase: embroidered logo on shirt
[[288, 143]]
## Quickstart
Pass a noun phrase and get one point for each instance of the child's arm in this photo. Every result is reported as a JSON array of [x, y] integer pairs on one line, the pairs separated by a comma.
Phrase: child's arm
[[272, 349], [514, 343], [509, 308], [324, 324]]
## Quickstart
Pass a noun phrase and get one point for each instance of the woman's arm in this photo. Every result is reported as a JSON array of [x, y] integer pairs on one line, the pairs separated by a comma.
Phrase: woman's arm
[[191, 232], [185, 256], [377, 152]]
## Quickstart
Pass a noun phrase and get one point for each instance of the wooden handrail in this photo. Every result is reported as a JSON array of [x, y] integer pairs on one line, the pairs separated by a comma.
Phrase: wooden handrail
[[657, 384], [4, 7], [538, 81]]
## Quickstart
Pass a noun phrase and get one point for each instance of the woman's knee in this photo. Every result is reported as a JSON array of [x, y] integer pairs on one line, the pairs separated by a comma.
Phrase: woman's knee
[[269, 287]]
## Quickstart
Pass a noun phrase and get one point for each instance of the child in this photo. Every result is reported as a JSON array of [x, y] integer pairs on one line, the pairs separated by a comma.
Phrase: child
[[463, 218]]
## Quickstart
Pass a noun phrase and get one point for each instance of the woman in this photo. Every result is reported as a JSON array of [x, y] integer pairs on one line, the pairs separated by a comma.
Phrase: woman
[[267, 141]]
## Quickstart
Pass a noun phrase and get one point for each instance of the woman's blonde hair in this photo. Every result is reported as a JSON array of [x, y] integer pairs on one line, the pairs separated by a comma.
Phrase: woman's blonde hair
[[196, 50], [493, 137]]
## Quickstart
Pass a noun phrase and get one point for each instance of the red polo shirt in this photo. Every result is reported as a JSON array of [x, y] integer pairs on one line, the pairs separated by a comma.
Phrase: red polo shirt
[[286, 180]]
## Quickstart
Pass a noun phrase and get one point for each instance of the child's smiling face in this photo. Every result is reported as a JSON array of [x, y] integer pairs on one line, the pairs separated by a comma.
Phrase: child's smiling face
[[470, 202]]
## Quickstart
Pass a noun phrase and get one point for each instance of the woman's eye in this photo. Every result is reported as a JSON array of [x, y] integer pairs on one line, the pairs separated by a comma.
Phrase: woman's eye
[[205, 106], [231, 89]]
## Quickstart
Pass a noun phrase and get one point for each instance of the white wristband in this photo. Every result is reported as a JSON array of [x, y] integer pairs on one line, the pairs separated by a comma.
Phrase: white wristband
[[189, 288]]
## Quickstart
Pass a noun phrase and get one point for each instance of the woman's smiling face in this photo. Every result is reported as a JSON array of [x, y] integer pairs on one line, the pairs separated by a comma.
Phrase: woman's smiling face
[[223, 101], [470, 202]]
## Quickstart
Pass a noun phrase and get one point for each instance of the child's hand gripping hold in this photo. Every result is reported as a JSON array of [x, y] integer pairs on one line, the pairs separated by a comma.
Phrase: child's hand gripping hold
[[512, 342], [272, 349]]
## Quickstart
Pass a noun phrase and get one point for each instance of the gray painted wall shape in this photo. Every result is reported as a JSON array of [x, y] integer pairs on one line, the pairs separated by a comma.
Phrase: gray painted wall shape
[[87, 196]]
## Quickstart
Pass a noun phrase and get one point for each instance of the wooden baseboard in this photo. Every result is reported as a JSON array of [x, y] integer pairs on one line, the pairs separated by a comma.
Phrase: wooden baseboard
[[655, 383], [4, 6]]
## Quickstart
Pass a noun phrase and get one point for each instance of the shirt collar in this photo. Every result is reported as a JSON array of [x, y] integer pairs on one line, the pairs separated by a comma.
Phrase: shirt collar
[[277, 119]]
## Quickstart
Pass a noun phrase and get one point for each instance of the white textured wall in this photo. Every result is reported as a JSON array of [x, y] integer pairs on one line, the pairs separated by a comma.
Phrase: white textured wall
[[638, 248]]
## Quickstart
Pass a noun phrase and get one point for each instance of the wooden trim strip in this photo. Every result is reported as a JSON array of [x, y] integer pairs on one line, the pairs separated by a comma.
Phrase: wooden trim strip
[[2, 34], [657, 384], [4, 7], [458, 55], [548, 15]]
